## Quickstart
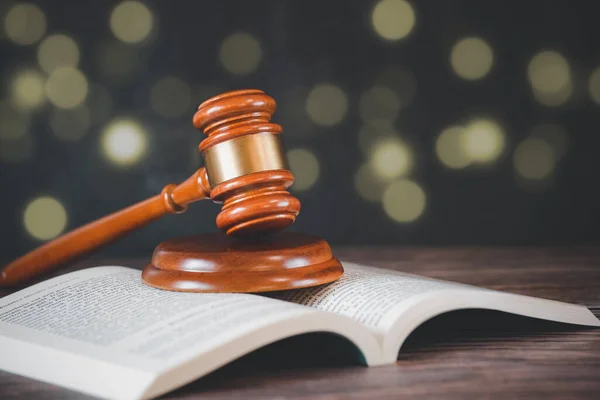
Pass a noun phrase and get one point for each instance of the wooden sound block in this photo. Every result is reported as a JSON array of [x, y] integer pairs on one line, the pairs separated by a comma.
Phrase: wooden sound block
[[218, 263]]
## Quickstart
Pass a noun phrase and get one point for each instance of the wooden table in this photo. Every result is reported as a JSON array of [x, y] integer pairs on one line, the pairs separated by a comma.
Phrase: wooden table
[[450, 357]]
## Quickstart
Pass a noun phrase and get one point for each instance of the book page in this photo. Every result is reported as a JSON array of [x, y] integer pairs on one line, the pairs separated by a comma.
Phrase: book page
[[104, 332], [366, 294], [391, 304], [110, 314]]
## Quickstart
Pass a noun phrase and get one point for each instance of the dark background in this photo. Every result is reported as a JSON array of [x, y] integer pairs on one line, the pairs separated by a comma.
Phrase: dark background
[[304, 44]]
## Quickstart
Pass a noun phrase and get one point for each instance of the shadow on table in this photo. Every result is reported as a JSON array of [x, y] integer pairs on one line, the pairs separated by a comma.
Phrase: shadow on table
[[314, 354], [318, 354], [473, 328]]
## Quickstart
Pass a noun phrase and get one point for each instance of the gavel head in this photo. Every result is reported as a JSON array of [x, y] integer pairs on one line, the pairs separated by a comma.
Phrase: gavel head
[[246, 163]]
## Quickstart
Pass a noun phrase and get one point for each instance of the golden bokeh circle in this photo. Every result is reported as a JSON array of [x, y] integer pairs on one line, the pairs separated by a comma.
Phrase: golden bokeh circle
[[25, 24], [393, 19], [45, 218], [27, 90], [449, 148], [124, 142], [390, 158], [67, 87], [240, 53], [534, 159], [131, 22], [404, 201], [471, 58], [483, 141], [57, 51], [327, 104], [550, 78]]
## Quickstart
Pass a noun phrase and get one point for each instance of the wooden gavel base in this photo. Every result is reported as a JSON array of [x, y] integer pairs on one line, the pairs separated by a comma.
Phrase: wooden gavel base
[[218, 263]]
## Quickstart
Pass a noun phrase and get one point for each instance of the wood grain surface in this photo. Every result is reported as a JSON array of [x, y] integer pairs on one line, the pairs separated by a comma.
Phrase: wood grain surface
[[458, 355]]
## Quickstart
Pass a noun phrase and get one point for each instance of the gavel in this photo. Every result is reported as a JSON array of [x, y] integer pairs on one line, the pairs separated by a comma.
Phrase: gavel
[[245, 170]]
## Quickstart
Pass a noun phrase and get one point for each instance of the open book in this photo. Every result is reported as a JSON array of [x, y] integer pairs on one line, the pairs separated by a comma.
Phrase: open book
[[103, 332]]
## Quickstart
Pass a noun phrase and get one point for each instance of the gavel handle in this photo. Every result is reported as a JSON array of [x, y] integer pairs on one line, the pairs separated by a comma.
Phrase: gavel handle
[[172, 199]]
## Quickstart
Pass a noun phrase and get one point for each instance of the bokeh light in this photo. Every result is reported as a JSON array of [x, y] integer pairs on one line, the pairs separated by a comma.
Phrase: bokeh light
[[14, 123], [66, 87], [57, 51], [449, 148], [390, 158], [25, 23], [393, 19], [368, 185], [379, 102], [556, 137], [124, 142], [550, 77], [305, 167], [594, 85], [131, 22], [326, 104], [55, 89], [45, 218], [27, 90], [70, 124], [240, 53], [471, 58], [170, 97], [534, 159], [404, 201], [483, 141]]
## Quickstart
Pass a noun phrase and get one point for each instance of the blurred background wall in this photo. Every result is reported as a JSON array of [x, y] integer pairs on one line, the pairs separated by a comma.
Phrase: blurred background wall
[[407, 122]]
